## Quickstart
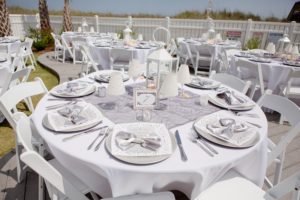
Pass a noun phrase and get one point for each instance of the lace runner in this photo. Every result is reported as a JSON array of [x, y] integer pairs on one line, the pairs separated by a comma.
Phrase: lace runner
[[178, 110]]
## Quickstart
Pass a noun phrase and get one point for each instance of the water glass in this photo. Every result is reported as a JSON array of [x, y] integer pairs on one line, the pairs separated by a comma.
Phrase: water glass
[[143, 115], [203, 100], [101, 91]]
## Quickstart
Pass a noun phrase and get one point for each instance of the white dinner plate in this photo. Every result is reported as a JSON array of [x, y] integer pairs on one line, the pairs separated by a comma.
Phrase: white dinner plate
[[108, 73], [214, 85], [261, 60], [221, 103], [92, 114], [142, 160], [3, 59], [201, 122], [87, 91], [292, 63]]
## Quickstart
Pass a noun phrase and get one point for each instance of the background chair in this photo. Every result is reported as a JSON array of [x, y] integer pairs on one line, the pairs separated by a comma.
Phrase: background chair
[[76, 42], [87, 60], [231, 81], [256, 77], [58, 48], [238, 188], [291, 112], [120, 58]]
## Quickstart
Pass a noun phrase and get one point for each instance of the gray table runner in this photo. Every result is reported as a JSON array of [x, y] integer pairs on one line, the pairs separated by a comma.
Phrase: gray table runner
[[179, 111]]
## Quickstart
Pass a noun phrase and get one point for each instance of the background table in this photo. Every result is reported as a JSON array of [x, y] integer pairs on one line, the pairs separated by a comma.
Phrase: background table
[[275, 73], [109, 176]]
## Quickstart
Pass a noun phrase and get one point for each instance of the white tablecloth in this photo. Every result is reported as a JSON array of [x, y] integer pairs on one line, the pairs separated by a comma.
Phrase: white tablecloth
[[110, 177], [101, 55], [275, 74], [10, 47], [206, 49]]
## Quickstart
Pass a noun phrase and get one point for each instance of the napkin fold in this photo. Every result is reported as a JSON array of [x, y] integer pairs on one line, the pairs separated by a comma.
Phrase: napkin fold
[[231, 98], [126, 140], [73, 89], [237, 133]]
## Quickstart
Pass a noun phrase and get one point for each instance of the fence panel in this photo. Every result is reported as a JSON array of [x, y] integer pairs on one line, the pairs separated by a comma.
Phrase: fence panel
[[178, 27]]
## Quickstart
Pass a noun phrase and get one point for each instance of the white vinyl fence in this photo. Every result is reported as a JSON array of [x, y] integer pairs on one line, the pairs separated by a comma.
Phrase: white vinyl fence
[[241, 30]]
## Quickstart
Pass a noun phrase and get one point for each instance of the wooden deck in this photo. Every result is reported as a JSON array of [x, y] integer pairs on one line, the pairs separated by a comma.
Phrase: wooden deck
[[27, 190]]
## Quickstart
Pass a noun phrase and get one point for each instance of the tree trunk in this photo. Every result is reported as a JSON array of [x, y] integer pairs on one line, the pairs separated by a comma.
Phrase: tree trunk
[[5, 28], [67, 24], [44, 16]]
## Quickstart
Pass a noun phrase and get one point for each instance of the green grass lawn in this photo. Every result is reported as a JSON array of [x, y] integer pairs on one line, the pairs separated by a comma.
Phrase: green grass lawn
[[7, 138]]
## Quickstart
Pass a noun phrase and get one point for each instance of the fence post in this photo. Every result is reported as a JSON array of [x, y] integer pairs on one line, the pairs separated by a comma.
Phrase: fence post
[[168, 23], [292, 30], [248, 31], [37, 18], [96, 23], [130, 21]]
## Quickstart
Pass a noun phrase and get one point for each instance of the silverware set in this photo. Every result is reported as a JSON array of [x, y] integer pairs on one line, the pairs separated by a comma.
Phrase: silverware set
[[83, 133], [105, 132], [205, 146]]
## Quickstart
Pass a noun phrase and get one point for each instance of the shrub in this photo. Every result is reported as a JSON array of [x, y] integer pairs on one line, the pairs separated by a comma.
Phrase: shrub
[[41, 39], [253, 43]]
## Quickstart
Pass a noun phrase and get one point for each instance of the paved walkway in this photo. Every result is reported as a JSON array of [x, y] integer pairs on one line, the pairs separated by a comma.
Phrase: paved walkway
[[65, 71], [27, 190]]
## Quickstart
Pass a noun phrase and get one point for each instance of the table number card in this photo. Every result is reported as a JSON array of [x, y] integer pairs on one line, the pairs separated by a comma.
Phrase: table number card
[[144, 99]]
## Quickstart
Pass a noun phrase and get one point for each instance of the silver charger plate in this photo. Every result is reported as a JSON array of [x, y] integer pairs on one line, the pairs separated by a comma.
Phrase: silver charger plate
[[221, 142], [291, 63], [54, 93], [216, 102], [141, 160], [98, 78], [83, 126], [260, 60]]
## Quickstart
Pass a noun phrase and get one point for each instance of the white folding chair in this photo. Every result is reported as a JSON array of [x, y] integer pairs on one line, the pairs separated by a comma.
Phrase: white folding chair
[[231, 81], [28, 52], [237, 188], [157, 36], [247, 67], [87, 60], [204, 56], [291, 112], [58, 47], [172, 48], [8, 102], [61, 184], [120, 58], [76, 41], [66, 48], [291, 91]]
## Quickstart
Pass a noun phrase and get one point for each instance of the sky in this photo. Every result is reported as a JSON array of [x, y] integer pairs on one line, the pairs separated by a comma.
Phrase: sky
[[264, 8]]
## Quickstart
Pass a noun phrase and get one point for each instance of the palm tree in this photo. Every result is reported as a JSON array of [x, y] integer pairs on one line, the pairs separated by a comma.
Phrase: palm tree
[[44, 16], [5, 28], [67, 23]]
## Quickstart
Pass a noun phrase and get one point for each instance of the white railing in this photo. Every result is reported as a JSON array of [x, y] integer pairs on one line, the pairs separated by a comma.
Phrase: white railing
[[178, 27]]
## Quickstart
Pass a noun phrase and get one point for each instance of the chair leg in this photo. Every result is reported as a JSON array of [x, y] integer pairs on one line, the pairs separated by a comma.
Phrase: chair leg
[[74, 56], [41, 193], [252, 91], [29, 104], [278, 169]]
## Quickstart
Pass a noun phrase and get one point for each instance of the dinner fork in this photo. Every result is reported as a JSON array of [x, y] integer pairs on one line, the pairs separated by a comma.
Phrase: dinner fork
[[107, 131], [99, 134], [198, 138], [61, 105]]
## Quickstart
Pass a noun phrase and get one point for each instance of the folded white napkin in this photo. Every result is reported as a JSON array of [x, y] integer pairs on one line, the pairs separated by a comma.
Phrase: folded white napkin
[[74, 89], [73, 117], [126, 140], [237, 133], [140, 139], [231, 98]]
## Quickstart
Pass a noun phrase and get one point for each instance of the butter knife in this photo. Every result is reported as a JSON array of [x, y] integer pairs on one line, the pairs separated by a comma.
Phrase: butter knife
[[179, 143]]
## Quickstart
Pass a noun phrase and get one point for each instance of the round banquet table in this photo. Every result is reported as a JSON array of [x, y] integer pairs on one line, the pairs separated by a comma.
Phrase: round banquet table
[[110, 177], [275, 73], [101, 55], [207, 49]]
